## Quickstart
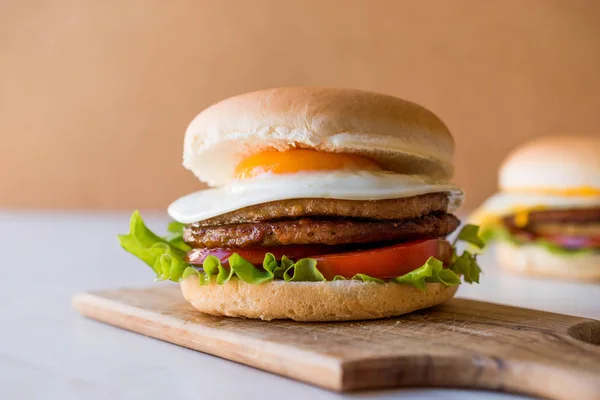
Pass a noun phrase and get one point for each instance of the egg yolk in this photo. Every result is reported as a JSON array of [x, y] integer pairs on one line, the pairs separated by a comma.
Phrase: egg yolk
[[285, 162]]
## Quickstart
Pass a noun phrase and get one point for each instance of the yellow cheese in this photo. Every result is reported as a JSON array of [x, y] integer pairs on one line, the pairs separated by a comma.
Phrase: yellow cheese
[[485, 218], [521, 218]]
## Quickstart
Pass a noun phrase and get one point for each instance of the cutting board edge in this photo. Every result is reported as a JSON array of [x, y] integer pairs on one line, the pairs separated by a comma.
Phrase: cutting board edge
[[94, 306], [108, 307]]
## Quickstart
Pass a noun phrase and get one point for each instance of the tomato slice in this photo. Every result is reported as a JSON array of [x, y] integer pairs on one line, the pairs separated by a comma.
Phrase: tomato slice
[[383, 262], [256, 256]]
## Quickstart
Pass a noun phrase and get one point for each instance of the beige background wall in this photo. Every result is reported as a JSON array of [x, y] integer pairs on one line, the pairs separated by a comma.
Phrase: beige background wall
[[95, 95]]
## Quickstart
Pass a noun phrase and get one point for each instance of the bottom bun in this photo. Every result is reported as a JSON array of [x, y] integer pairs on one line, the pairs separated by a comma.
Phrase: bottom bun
[[530, 259], [312, 301]]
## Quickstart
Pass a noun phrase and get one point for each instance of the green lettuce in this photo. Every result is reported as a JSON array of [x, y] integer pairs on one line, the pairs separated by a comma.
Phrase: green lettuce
[[175, 237], [304, 270], [466, 265], [166, 256], [160, 254], [359, 277], [432, 272], [470, 234], [175, 227]]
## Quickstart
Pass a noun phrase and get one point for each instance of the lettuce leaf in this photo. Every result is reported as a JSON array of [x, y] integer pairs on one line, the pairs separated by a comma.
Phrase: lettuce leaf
[[248, 272], [367, 278], [166, 256], [165, 259], [277, 268], [304, 270], [175, 227], [177, 242], [359, 277], [470, 234], [466, 265], [203, 279], [432, 272], [498, 232], [175, 237]]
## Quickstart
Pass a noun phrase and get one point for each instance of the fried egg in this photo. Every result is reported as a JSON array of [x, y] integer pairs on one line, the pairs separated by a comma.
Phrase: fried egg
[[332, 184]]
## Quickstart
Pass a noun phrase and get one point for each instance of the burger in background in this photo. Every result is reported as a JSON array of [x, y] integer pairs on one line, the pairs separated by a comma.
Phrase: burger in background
[[546, 217], [330, 204]]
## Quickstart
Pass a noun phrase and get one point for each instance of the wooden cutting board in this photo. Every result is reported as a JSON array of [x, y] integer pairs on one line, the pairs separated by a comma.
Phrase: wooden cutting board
[[461, 343]]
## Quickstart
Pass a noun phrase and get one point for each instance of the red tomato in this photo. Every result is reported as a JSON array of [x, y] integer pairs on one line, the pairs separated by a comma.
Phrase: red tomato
[[256, 256], [383, 262]]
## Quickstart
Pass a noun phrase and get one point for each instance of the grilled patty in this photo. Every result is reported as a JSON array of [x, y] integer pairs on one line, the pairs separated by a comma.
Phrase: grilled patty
[[575, 222], [319, 231], [392, 209]]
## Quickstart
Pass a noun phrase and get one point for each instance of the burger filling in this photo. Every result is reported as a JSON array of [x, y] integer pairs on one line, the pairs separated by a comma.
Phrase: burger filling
[[255, 229], [399, 240], [568, 231]]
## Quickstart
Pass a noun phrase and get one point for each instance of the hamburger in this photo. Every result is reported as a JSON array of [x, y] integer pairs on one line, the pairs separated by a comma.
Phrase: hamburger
[[327, 204], [546, 217]]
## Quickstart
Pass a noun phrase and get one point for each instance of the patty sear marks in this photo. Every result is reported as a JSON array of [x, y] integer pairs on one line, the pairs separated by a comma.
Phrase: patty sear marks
[[389, 210], [319, 231]]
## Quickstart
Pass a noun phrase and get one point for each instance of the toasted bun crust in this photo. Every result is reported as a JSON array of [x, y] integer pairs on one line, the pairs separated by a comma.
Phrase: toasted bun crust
[[400, 135], [555, 163], [312, 301], [535, 260]]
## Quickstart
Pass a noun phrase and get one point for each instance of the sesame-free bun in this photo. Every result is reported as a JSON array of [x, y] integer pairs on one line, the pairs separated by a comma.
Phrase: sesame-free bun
[[400, 135], [553, 163], [531, 259], [312, 301]]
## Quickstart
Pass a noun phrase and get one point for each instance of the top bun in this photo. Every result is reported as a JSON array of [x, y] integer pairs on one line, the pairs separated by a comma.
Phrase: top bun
[[400, 135], [553, 163]]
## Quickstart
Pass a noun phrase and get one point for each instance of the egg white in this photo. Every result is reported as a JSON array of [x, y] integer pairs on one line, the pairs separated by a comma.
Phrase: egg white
[[341, 185]]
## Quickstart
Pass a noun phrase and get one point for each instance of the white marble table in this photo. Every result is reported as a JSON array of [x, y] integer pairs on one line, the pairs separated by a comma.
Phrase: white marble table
[[48, 351]]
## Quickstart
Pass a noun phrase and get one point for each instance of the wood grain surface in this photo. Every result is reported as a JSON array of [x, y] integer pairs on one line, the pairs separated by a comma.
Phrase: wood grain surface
[[461, 343]]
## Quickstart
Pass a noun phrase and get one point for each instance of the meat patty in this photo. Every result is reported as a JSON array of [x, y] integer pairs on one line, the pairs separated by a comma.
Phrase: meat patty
[[391, 209], [584, 215], [574, 222], [553, 228], [313, 231]]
